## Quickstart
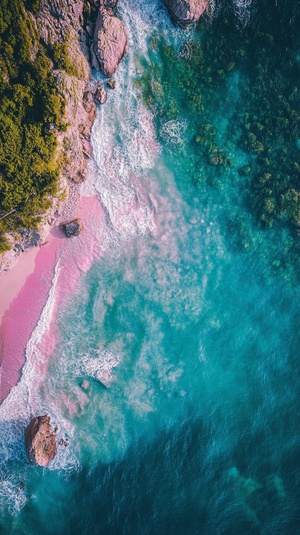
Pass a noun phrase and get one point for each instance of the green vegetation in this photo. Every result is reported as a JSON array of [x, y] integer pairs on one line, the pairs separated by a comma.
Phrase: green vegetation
[[28, 103], [33, 5], [270, 127], [61, 56]]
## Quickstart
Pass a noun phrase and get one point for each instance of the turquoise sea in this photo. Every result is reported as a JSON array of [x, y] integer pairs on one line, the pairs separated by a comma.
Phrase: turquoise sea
[[175, 374]]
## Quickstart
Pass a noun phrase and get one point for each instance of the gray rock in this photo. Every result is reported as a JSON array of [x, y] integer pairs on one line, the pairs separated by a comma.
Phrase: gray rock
[[108, 3], [86, 148], [18, 248], [111, 84], [94, 60], [73, 228], [88, 101], [100, 95]]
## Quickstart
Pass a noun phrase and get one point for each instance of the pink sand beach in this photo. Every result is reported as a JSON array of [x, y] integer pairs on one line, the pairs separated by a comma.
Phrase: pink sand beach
[[24, 310], [24, 290]]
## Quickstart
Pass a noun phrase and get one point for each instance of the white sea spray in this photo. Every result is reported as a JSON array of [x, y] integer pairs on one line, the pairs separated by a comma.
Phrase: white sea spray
[[12, 494], [173, 131], [242, 10]]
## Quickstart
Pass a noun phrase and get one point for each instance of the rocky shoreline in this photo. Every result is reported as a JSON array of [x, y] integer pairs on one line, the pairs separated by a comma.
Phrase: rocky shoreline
[[96, 39], [186, 12], [74, 21]]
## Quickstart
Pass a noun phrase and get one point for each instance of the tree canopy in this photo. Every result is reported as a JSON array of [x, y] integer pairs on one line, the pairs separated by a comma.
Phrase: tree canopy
[[29, 101]]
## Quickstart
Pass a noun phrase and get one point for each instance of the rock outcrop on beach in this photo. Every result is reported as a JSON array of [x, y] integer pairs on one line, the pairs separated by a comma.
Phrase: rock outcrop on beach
[[185, 12], [100, 95], [110, 42], [40, 441], [73, 228]]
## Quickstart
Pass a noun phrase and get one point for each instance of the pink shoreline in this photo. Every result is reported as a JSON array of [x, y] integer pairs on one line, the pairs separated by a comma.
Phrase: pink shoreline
[[12, 281], [32, 282], [76, 259], [21, 318]]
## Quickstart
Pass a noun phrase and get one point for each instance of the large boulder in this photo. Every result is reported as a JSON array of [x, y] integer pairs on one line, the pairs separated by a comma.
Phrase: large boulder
[[110, 42], [185, 12], [73, 228], [40, 441]]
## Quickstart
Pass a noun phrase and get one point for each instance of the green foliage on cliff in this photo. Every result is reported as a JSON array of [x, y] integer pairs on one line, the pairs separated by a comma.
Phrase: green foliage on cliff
[[33, 5], [28, 102], [61, 56]]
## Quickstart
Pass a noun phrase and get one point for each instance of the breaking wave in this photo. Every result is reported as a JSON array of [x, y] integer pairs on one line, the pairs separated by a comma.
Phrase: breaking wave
[[241, 9], [99, 364], [12, 494], [173, 132]]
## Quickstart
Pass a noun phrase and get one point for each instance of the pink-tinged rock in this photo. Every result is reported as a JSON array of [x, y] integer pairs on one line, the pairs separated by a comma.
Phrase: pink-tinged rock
[[110, 42], [100, 95], [185, 12], [40, 441], [86, 148]]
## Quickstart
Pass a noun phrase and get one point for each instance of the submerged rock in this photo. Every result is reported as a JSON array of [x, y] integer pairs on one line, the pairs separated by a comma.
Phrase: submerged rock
[[40, 441], [185, 12], [73, 228], [110, 42]]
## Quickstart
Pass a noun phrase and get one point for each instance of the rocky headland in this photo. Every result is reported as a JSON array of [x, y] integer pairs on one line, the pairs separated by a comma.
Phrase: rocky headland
[[78, 36], [110, 42], [73, 33]]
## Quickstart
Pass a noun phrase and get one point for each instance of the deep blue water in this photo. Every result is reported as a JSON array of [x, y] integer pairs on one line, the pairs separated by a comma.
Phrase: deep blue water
[[186, 320]]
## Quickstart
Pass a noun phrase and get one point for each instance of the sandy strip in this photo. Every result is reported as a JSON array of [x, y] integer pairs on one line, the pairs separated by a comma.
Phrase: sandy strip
[[12, 281], [24, 311], [26, 287]]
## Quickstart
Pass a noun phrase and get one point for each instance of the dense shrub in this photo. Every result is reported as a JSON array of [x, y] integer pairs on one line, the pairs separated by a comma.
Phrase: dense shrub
[[28, 102], [61, 56]]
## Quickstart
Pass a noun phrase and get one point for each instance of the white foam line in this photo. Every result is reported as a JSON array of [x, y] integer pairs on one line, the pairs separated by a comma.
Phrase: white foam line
[[25, 400], [19, 404]]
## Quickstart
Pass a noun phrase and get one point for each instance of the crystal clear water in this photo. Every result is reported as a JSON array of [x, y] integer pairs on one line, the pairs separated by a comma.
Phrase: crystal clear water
[[175, 373]]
